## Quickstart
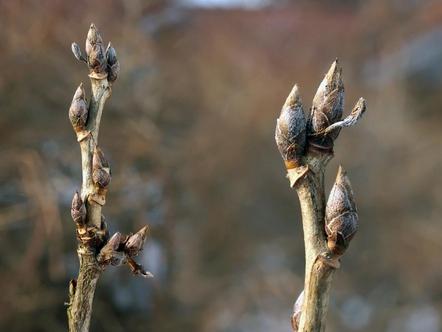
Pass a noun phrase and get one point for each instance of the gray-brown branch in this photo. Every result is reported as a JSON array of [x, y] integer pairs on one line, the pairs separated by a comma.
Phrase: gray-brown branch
[[318, 268], [306, 146], [95, 249], [80, 309]]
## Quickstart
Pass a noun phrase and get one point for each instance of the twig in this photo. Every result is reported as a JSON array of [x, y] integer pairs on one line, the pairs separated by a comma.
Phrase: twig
[[306, 146], [95, 250]]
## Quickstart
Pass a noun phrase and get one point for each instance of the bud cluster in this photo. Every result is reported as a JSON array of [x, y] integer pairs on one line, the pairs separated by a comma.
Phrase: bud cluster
[[102, 63], [121, 249], [294, 133]]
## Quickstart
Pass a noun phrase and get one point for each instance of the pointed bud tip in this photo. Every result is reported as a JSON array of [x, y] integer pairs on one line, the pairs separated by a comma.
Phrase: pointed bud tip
[[144, 231], [361, 104], [294, 97], [80, 93], [334, 73], [342, 177]]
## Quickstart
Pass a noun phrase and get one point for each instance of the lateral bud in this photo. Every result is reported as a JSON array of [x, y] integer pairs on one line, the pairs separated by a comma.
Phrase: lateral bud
[[327, 108], [113, 65], [101, 174], [111, 253], [96, 58], [290, 133], [135, 242], [78, 210], [78, 112], [341, 217], [76, 50], [297, 311]]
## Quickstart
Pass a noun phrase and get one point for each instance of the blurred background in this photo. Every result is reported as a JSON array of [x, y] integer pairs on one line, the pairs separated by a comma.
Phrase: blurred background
[[189, 134]]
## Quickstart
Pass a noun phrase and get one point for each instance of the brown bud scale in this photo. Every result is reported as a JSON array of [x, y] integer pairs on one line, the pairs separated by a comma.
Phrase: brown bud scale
[[96, 57], [78, 210], [78, 112], [327, 108], [135, 242], [290, 133], [101, 175], [341, 217]]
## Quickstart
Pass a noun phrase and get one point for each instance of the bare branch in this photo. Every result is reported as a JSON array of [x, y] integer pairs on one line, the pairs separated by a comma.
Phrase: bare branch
[[95, 249], [327, 229]]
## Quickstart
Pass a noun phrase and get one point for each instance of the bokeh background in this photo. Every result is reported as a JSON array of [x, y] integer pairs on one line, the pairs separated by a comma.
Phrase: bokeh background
[[189, 134]]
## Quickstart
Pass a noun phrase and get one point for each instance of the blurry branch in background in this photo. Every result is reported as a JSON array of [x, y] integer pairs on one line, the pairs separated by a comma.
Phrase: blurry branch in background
[[306, 146], [95, 250]]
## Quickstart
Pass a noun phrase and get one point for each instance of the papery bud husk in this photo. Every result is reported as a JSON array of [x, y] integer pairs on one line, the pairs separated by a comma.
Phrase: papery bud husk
[[78, 112], [327, 108], [137, 269], [290, 133], [78, 210], [136, 241], [341, 217], [297, 311]]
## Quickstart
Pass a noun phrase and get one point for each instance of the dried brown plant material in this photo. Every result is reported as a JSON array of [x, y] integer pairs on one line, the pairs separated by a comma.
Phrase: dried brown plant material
[[355, 115], [78, 210], [78, 112], [341, 217], [137, 269], [290, 133]]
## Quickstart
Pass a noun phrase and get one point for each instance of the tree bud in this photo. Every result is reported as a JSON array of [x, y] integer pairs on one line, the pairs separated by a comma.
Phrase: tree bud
[[327, 108], [341, 217], [136, 241], [95, 51], [78, 111], [111, 253], [290, 133], [78, 210], [113, 65], [100, 169]]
